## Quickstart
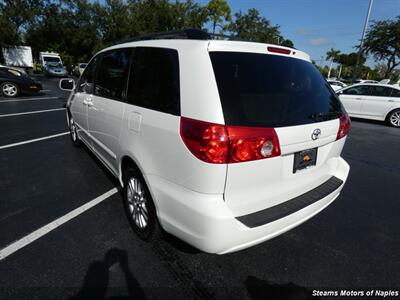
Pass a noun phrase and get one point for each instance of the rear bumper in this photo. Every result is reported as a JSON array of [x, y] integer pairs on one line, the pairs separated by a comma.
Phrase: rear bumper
[[31, 88], [206, 222]]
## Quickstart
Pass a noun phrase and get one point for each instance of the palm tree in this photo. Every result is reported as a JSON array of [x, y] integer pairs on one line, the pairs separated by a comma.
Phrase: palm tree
[[332, 55]]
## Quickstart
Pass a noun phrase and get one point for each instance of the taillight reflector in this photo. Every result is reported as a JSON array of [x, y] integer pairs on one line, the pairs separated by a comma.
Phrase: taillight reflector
[[344, 126], [279, 50], [220, 144]]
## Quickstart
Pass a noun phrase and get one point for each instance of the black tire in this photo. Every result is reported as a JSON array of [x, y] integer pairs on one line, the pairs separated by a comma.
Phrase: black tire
[[73, 133], [152, 230], [10, 89], [393, 118]]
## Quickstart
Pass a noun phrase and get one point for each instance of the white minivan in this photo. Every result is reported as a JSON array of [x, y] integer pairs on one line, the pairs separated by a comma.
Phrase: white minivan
[[224, 144]]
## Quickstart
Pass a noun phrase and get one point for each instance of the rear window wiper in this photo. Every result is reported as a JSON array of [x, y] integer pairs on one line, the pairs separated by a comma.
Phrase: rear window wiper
[[326, 115]]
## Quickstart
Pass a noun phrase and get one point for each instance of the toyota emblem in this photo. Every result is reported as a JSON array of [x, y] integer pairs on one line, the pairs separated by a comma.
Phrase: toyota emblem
[[316, 133]]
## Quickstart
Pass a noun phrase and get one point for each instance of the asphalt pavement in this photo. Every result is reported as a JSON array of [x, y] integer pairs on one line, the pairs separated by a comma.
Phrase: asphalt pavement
[[354, 244]]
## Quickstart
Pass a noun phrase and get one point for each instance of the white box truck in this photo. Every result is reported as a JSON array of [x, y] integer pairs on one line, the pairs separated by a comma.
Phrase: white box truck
[[49, 57], [18, 56]]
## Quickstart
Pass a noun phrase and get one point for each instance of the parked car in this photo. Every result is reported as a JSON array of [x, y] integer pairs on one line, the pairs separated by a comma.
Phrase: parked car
[[14, 82], [223, 144], [55, 69], [79, 68], [373, 101], [336, 84]]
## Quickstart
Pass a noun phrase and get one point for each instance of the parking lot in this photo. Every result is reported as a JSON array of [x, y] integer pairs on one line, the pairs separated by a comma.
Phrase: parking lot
[[354, 244]]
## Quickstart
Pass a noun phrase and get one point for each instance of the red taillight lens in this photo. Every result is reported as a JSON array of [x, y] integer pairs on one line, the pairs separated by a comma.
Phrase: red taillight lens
[[252, 143], [215, 143], [279, 50], [344, 126], [208, 142]]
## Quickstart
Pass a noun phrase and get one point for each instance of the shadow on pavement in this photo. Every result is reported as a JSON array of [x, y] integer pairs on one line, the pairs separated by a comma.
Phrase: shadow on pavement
[[260, 290], [96, 280]]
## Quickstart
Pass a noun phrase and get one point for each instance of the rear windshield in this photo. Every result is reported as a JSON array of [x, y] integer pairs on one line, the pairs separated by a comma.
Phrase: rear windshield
[[271, 91]]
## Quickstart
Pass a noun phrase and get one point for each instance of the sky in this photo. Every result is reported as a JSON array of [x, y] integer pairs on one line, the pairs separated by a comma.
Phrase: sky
[[315, 26]]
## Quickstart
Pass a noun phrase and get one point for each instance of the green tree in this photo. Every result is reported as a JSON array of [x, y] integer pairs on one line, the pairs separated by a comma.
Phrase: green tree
[[219, 14], [349, 60], [163, 15], [253, 27], [332, 55], [66, 27], [15, 17], [189, 14], [383, 42], [112, 21]]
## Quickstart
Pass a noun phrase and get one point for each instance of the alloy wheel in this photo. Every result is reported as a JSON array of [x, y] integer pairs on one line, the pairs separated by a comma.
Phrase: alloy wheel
[[137, 203], [395, 119], [9, 90]]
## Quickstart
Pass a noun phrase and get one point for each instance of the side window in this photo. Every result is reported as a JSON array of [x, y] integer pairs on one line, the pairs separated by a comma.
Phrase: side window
[[154, 80], [357, 90], [86, 82], [395, 93], [381, 91], [112, 74]]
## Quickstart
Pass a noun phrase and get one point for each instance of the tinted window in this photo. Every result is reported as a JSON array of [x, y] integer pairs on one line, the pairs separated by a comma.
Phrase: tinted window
[[380, 91], [270, 90], [154, 80], [112, 74], [51, 59], [357, 90], [395, 93], [86, 82]]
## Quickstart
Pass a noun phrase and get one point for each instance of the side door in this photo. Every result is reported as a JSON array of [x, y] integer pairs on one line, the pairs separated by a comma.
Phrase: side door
[[378, 102], [82, 98], [353, 97], [152, 114], [105, 112]]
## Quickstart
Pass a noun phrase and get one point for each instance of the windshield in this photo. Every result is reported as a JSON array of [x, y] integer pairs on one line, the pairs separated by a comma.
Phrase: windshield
[[271, 91], [51, 59]]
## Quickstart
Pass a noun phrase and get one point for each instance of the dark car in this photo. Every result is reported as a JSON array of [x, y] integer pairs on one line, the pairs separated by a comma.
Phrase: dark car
[[14, 83]]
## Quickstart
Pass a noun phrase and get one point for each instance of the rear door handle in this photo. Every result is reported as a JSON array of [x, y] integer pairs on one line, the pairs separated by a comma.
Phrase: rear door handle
[[390, 100], [358, 98]]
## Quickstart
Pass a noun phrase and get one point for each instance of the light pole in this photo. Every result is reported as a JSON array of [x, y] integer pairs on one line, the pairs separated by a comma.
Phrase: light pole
[[362, 39]]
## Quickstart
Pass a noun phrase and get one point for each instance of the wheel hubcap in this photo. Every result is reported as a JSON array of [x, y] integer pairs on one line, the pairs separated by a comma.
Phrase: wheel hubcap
[[395, 119], [9, 89], [137, 203]]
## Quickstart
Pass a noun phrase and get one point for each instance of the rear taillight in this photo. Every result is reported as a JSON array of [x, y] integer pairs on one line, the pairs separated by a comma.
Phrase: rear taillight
[[252, 143], [220, 144], [344, 126]]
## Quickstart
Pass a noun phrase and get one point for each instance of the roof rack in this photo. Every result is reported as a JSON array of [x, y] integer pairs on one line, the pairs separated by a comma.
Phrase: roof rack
[[190, 34]]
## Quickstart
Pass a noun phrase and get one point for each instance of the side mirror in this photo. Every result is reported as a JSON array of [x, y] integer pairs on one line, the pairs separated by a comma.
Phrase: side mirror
[[67, 84]]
